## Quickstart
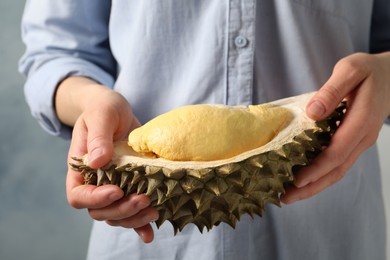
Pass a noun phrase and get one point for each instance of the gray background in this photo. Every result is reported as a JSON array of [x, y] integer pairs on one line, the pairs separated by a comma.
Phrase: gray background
[[35, 219]]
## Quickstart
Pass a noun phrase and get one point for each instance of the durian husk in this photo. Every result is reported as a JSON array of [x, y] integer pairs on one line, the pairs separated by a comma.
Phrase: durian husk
[[208, 193]]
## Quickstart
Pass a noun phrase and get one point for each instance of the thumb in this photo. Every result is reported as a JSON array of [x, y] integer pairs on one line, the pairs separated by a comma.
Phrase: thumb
[[346, 76], [322, 103], [100, 142]]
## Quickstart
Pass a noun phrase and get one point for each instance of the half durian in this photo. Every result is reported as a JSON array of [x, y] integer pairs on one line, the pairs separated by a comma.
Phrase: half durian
[[207, 164]]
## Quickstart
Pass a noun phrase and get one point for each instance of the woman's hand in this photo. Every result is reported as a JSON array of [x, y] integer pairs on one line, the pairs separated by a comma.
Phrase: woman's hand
[[104, 117], [364, 80]]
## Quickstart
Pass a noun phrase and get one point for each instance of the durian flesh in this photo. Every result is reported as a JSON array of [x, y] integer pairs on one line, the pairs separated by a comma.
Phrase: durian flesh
[[207, 193], [209, 132]]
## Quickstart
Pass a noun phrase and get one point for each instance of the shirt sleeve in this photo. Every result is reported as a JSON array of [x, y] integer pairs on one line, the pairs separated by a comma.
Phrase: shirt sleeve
[[63, 38], [380, 29]]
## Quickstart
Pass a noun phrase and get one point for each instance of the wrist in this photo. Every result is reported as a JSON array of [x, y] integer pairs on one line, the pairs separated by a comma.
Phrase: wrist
[[385, 61], [74, 95]]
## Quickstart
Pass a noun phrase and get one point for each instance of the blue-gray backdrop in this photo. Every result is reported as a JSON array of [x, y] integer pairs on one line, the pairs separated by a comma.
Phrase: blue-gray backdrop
[[35, 220]]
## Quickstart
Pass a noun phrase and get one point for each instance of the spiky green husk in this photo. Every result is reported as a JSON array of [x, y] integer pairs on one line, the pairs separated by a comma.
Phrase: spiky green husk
[[209, 196]]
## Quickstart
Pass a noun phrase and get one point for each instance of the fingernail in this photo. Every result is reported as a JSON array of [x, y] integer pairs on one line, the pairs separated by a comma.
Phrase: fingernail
[[114, 196], [141, 205], [151, 217], [95, 154], [291, 200], [154, 218], [316, 108], [142, 235], [300, 184]]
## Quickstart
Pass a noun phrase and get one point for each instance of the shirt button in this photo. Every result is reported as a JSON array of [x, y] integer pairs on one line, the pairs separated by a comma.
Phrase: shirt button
[[240, 41]]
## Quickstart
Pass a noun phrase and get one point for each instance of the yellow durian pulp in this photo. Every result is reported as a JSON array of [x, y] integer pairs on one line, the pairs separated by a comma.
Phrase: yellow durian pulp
[[209, 132]]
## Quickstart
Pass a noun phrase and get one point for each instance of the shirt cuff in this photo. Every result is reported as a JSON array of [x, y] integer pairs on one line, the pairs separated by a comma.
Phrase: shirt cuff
[[41, 86]]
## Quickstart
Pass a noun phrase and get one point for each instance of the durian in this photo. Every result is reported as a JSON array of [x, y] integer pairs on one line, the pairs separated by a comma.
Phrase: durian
[[215, 168]]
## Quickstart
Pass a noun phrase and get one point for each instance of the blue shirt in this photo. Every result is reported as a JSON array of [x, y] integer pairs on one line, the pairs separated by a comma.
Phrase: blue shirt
[[165, 54]]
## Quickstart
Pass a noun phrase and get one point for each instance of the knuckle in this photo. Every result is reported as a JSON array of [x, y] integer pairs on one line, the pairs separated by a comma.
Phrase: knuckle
[[332, 93], [74, 203], [95, 215], [113, 223], [337, 158], [372, 131], [337, 174], [125, 223], [311, 191], [371, 139], [124, 210], [96, 141], [354, 65]]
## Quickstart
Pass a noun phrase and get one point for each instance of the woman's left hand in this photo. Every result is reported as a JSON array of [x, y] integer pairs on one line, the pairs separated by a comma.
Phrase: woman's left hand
[[364, 80]]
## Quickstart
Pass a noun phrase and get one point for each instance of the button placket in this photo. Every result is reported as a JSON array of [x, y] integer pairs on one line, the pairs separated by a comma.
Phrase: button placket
[[240, 52]]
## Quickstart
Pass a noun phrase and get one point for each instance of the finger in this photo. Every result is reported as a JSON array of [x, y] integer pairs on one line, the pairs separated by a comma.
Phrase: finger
[[122, 134], [79, 139], [294, 194], [124, 208], [73, 180], [125, 128], [146, 233], [78, 194], [342, 145], [92, 197], [101, 128], [347, 75], [134, 124], [141, 219], [77, 149]]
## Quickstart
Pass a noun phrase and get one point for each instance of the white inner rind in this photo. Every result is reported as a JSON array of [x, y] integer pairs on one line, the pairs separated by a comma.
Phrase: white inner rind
[[123, 154]]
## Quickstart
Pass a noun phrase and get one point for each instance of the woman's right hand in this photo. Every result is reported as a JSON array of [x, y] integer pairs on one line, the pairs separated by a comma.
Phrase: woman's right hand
[[101, 117]]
